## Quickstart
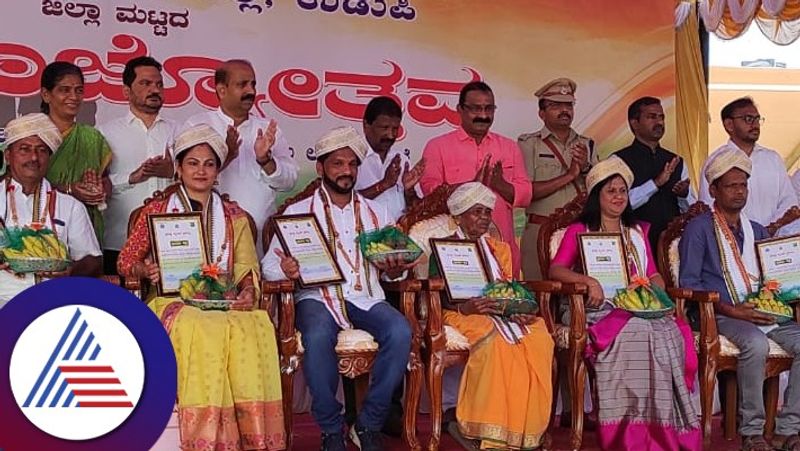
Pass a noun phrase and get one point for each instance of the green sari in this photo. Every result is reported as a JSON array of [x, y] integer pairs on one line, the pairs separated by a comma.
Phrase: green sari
[[83, 148]]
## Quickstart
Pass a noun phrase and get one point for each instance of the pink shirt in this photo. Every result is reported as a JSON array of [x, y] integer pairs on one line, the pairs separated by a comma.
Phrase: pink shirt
[[567, 255], [455, 158]]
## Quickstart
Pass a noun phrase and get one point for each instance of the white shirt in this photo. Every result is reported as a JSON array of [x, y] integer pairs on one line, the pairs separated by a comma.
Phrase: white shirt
[[244, 179], [642, 193], [344, 221], [131, 144], [72, 226], [770, 191], [372, 171]]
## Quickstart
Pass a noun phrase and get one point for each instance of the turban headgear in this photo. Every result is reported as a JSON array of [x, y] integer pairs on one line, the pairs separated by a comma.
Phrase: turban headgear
[[199, 134], [339, 138], [612, 165], [34, 124], [468, 195], [724, 161]]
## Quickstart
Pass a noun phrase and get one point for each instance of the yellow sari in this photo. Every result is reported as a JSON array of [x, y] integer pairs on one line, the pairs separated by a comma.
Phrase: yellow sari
[[506, 391], [229, 391]]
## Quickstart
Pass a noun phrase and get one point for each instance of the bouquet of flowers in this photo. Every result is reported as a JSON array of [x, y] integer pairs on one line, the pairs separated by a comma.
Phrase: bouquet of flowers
[[645, 300], [208, 288], [770, 299]]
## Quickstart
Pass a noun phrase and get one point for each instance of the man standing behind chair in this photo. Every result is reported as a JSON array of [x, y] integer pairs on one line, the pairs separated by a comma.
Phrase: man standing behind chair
[[770, 189], [139, 142], [473, 153], [717, 253], [660, 189], [357, 302], [557, 158], [385, 175], [259, 163]]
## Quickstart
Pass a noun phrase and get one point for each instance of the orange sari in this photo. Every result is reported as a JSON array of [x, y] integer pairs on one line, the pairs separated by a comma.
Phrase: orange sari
[[506, 391]]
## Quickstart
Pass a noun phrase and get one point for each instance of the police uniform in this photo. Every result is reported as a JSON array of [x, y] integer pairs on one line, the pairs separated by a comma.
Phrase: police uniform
[[546, 158]]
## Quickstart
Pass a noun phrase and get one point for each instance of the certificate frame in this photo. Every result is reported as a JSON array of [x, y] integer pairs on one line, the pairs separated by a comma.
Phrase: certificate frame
[[787, 249], [308, 224], [472, 246], [609, 242], [195, 220]]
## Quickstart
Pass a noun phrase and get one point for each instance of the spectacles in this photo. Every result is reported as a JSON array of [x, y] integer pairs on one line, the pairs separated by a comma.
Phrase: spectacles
[[479, 108], [749, 119]]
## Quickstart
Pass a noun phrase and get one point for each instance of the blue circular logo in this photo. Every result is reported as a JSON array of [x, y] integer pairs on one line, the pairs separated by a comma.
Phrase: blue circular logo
[[89, 367]]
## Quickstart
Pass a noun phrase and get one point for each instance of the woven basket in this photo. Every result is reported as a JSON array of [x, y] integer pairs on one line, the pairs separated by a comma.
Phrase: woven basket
[[209, 304], [37, 264]]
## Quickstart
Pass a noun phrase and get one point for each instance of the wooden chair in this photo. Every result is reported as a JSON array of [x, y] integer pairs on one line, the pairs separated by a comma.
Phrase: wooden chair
[[356, 349], [571, 338], [717, 355], [444, 346]]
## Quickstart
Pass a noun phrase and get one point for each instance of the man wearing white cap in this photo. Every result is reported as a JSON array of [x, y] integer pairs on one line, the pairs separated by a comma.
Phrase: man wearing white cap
[[29, 200], [358, 302], [770, 189], [717, 252], [260, 163]]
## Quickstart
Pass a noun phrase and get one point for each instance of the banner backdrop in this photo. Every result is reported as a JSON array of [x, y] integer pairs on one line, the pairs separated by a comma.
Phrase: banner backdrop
[[319, 62]]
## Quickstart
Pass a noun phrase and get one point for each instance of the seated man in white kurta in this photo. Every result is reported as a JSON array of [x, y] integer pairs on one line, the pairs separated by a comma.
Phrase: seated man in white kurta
[[357, 302], [29, 200]]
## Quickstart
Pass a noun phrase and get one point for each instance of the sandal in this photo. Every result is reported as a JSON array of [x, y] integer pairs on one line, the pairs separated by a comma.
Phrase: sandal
[[786, 442], [755, 443]]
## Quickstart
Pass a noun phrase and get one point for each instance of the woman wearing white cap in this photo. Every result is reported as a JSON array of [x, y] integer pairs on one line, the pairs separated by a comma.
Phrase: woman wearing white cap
[[506, 392], [227, 362], [645, 368]]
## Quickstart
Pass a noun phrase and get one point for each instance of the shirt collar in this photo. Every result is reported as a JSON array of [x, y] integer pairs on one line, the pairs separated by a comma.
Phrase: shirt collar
[[347, 207], [642, 146], [18, 187], [545, 132], [756, 147], [463, 136], [229, 120], [131, 118]]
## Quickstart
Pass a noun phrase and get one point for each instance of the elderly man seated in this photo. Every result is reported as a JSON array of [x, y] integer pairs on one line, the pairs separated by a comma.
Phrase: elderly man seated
[[29, 200], [717, 252]]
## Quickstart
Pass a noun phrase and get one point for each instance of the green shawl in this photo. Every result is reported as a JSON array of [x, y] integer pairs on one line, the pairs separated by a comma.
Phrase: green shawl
[[83, 148]]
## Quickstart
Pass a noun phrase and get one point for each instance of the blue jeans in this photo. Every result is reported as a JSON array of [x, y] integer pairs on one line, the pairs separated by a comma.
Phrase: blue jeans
[[321, 369]]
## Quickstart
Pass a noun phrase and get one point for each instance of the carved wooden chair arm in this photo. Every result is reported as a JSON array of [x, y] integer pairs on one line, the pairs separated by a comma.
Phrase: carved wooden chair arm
[[411, 285], [544, 290], [570, 288], [709, 335]]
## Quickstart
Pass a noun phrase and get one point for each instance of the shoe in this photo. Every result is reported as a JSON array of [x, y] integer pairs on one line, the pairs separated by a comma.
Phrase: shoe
[[449, 416], [333, 442], [755, 443], [786, 442], [393, 426], [366, 440]]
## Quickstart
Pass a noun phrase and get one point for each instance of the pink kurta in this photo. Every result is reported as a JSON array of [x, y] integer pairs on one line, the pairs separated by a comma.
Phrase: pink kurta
[[455, 158]]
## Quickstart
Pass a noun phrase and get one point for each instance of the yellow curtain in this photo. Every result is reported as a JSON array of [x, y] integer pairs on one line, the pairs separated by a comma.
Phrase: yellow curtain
[[691, 97]]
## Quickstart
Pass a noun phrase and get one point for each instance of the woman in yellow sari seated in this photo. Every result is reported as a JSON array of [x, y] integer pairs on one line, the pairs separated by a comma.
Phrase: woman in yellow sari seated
[[505, 394], [229, 394]]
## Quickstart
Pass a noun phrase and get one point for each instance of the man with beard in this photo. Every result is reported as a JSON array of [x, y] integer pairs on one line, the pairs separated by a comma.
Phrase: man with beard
[[660, 189], [139, 141], [29, 200], [770, 191], [557, 158], [473, 153], [259, 162], [385, 175], [357, 302]]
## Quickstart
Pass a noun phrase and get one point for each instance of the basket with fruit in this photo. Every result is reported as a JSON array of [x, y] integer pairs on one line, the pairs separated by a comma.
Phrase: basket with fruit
[[769, 299], [34, 249], [644, 301], [511, 297], [378, 246], [208, 289]]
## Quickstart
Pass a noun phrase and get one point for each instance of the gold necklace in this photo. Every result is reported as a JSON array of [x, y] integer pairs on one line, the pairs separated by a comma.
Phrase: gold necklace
[[335, 239]]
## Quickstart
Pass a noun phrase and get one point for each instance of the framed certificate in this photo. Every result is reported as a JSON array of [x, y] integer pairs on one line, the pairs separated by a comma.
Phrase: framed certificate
[[603, 258], [462, 266], [179, 247], [779, 259], [301, 237]]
